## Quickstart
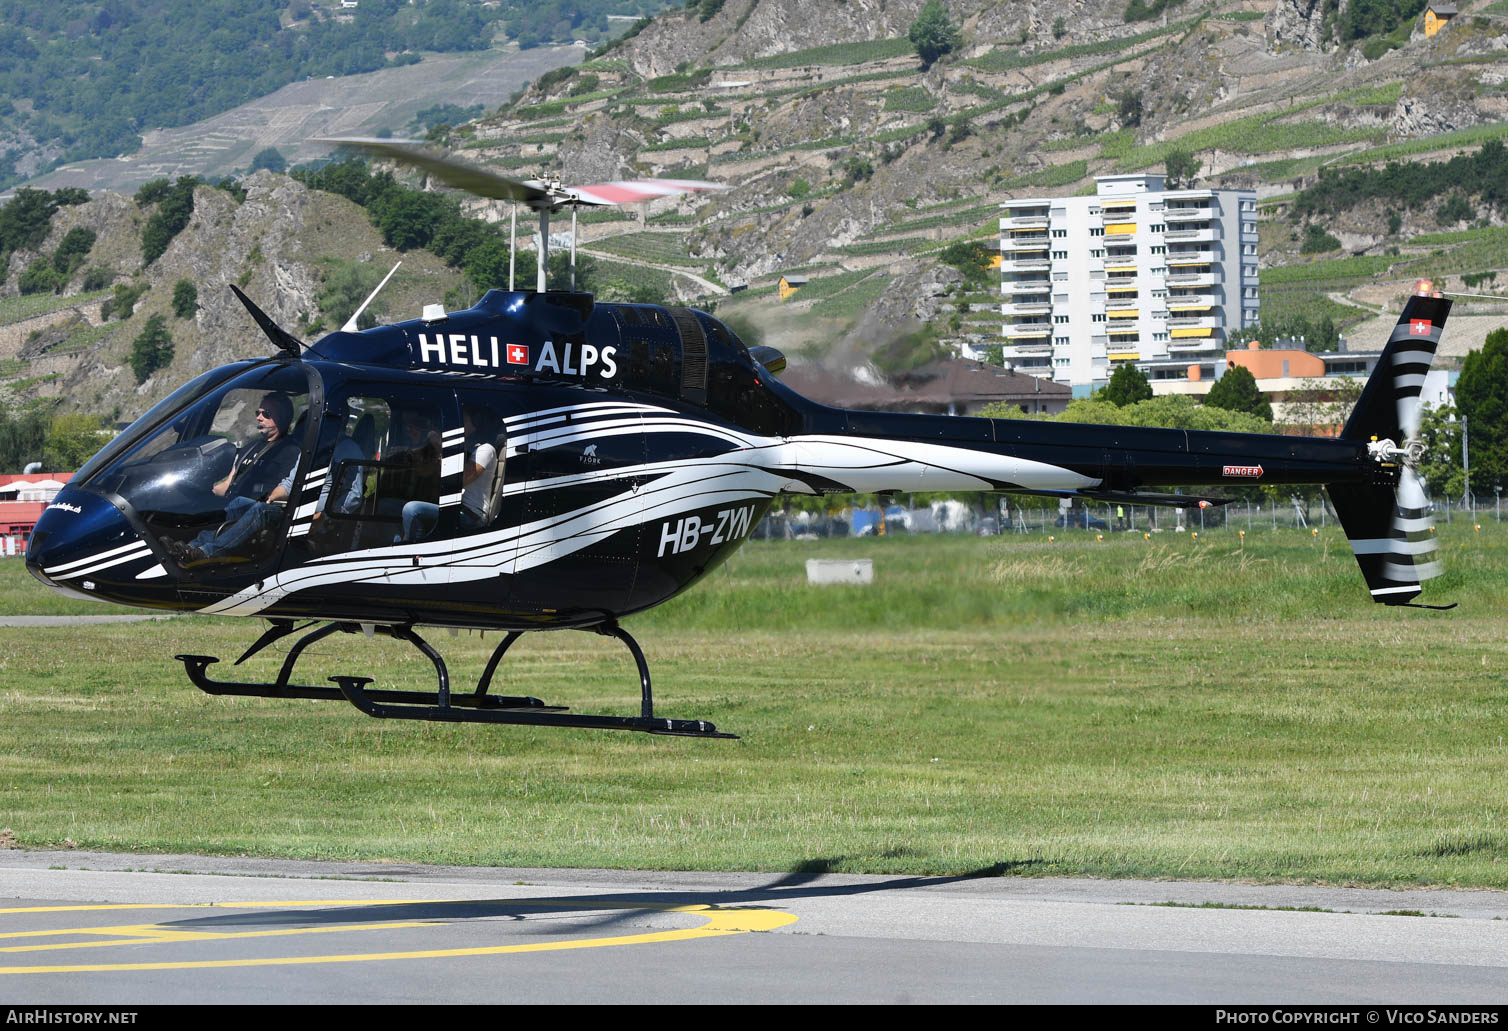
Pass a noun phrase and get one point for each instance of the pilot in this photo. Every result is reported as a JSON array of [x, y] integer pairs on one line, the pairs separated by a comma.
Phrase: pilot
[[258, 484]]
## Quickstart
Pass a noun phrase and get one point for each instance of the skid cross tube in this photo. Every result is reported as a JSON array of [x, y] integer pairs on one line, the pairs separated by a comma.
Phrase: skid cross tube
[[443, 706], [197, 667]]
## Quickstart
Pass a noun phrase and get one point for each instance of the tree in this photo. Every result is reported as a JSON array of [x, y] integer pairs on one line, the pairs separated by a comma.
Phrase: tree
[[185, 299], [1237, 391], [1128, 109], [558, 271], [1182, 168], [1440, 432], [172, 215], [1128, 385], [71, 440], [271, 159], [152, 350], [1482, 397], [932, 34], [345, 288], [72, 250]]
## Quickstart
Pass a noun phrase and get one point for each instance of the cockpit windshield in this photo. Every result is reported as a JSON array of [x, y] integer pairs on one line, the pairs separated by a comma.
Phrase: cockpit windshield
[[212, 482]]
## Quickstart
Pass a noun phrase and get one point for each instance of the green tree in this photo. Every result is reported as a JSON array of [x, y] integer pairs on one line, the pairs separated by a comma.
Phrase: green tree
[[271, 159], [72, 439], [1440, 432], [185, 299], [24, 221], [973, 259], [1237, 391], [72, 250], [1317, 241], [1182, 168], [23, 440], [1482, 397], [172, 215], [1128, 108], [152, 349], [343, 290], [39, 278], [932, 34], [558, 271], [1128, 385]]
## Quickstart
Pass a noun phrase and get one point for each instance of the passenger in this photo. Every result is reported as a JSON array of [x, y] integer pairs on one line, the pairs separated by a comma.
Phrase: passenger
[[477, 475], [258, 484]]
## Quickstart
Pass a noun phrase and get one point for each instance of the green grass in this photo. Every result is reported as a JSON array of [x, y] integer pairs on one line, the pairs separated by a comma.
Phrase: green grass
[[851, 302], [1336, 269], [1002, 59], [1472, 137], [1052, 176], [836, 54], [16, 309], [664, 248], [909, 98], [1116, 708]]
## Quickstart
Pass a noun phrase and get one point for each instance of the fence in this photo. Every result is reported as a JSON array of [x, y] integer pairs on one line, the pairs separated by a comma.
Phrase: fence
[[1296, 513]]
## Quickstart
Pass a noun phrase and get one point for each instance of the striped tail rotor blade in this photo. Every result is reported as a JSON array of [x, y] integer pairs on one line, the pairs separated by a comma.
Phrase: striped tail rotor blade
[[1415, 546]]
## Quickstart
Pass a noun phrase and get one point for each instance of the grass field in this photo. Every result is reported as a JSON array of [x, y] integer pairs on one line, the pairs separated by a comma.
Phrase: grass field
[[1164, 709]]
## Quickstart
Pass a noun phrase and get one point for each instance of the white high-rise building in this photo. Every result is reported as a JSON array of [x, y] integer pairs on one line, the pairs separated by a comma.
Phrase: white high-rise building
[[1135, 273]]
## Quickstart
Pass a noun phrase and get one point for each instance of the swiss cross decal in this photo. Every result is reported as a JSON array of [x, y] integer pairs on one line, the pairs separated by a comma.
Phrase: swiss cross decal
[[1419, 327], [518, 354]]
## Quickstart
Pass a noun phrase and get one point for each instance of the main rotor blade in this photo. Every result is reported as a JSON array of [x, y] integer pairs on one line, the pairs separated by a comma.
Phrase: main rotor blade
[[462, 176], [632, 191], [284, 340]]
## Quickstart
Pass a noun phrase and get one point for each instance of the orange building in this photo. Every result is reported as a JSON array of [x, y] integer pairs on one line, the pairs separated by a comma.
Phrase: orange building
[[1277, 364], [1436, 16]]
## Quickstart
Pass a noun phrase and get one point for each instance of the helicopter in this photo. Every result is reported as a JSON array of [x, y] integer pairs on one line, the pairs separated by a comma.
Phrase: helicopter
[[542, 461]]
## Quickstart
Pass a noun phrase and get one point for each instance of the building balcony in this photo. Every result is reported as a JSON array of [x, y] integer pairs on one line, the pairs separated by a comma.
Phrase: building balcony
[[1027, 307], [1186, 279], [1189, 213], [1030, 331], [1027, 349], [1024, 242], [1203, 234], [1041, 264], [1195, 345], [1184, 320], [1184, 259], [1025, 221], [1016, 287], [1176, 301]]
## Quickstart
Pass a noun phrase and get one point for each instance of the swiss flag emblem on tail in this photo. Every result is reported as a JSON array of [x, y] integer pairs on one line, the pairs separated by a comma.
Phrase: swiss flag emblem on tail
[[1419, 327], [518, 354]]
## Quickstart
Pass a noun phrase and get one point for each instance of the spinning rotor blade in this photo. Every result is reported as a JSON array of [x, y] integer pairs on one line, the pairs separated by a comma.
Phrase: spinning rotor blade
[[632, 191], [450, 172]]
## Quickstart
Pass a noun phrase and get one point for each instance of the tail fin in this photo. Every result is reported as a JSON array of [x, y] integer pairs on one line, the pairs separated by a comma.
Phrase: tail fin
[[1389, 525]]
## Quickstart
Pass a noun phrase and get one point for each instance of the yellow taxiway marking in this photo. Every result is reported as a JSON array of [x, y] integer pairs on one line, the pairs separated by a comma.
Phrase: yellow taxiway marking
[[719, 922]]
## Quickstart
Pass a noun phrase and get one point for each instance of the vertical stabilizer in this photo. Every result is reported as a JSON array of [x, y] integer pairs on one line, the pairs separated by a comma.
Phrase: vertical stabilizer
[[1389, 524]]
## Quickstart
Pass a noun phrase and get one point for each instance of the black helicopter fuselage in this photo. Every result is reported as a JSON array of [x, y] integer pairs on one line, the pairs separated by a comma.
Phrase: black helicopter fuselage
[[634, 447]]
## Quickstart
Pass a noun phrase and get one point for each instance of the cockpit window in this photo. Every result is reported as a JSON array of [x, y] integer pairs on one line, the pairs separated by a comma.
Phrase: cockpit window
[[211, 483]]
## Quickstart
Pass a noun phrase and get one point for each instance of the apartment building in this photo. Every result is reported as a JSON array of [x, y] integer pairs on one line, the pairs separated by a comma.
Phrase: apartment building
[[1135, 273]]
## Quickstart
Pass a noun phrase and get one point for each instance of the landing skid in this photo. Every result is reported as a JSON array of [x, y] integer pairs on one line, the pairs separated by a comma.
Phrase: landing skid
[[441, 705]]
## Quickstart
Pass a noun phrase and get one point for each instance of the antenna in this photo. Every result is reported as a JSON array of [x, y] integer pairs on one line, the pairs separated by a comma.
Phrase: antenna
[[350, 326]]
